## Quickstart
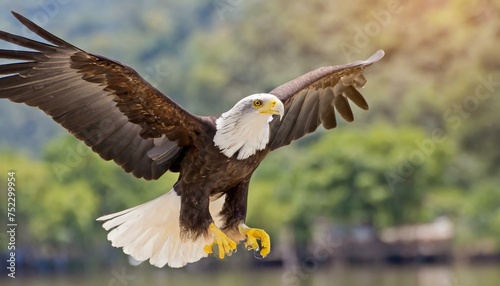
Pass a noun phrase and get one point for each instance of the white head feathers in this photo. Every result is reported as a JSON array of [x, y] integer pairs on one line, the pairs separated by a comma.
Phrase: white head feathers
[[245, 127]]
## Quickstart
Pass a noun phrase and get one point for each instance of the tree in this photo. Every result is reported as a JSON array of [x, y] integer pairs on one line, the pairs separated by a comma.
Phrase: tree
[[379, 175]]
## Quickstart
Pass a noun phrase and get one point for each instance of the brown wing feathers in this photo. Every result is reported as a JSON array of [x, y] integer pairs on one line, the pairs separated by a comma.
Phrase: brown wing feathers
[[312, 99], [123, 118], [105, 104]]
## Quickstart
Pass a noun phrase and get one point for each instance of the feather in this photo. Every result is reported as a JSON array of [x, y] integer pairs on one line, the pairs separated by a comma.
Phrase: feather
[[242, 129], [310, 99], [343, 108], [85, 93], [163, 151], [151, 231], [326, 112], [355, 96]]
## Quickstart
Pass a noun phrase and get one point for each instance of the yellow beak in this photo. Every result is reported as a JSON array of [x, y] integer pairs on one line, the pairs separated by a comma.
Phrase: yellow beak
[[273, 107]]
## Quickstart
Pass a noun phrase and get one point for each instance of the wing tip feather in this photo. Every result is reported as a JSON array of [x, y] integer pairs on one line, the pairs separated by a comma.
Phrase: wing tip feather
[[379, 54]]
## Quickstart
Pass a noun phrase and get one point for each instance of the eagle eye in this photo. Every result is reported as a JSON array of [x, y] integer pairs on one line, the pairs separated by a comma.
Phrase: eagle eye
[[257, 103]]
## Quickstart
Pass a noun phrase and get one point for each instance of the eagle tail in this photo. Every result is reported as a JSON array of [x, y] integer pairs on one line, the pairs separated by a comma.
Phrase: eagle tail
[[151, 231]]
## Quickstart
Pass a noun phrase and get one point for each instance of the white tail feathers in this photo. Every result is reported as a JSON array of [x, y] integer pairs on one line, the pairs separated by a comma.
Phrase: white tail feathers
[[151, 231]]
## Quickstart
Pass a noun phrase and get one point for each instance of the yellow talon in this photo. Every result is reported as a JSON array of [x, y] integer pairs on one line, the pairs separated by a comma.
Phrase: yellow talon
[[225, 245], [252, 234]]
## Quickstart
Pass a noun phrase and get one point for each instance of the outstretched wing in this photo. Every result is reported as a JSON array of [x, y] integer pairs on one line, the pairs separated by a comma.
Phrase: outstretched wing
[[311, 100], [100, 101]]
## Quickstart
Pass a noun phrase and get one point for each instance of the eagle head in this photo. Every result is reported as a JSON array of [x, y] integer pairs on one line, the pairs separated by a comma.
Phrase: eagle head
[[244, 129], [262, 104]]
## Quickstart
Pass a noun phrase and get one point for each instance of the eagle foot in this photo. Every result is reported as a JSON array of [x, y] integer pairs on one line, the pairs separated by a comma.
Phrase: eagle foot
[[224, 244], [254, 234]]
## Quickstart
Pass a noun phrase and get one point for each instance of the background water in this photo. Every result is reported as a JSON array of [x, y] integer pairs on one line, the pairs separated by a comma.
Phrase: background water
[[428, 275]]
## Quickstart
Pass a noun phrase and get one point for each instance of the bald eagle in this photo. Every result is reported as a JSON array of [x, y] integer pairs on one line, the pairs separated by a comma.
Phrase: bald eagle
[[125, 119]]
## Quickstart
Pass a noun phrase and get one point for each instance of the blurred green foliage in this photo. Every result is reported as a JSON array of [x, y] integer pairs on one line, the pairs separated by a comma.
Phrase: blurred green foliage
[[428, 146]]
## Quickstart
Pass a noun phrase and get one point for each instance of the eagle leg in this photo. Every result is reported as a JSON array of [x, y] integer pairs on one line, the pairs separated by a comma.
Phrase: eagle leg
[[254, 234], [225, 245]]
